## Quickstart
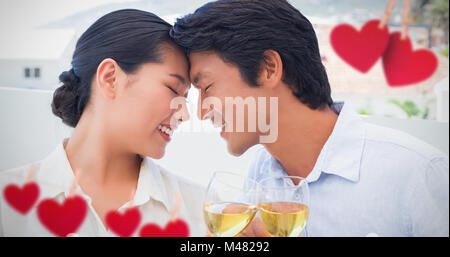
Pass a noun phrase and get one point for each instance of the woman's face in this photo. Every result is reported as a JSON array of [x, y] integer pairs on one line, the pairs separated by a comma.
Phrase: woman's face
[[150, 104]]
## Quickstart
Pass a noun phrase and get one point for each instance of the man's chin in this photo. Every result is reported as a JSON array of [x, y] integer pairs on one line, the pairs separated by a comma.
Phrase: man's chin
[[235, 153], [237, 150]]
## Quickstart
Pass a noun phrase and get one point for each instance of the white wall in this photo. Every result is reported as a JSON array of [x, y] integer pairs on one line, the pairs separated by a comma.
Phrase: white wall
[[29, 132]]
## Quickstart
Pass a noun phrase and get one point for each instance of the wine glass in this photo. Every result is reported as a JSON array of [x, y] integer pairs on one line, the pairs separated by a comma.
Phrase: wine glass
[[230, 204], [283, 205]]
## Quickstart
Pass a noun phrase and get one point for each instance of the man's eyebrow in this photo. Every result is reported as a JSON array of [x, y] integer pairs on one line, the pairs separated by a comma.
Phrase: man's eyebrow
[[179, 77]]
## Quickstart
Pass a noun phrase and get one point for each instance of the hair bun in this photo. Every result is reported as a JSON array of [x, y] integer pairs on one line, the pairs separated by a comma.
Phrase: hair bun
[[69, 79], [65, 99]]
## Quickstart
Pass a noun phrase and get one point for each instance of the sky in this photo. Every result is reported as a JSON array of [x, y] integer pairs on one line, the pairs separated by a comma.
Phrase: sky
[[30, 13]]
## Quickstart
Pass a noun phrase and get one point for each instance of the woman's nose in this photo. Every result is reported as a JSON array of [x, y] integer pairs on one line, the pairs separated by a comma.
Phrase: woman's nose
[[179, 109], [184, 114]]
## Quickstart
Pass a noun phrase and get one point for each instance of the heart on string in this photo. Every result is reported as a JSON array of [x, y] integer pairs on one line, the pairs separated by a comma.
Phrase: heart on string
[[360, 49], [403, 66], [22, 199], [62, 219], [177, 228], [124, 224]]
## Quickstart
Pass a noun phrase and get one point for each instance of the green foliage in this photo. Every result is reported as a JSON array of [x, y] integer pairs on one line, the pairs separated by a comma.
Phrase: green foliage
[[444, 51], [432, 12], [364, 111], [411, 109]]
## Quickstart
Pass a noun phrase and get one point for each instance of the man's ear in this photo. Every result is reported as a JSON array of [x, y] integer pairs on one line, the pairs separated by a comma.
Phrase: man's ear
[[106, 77], [271, 69]]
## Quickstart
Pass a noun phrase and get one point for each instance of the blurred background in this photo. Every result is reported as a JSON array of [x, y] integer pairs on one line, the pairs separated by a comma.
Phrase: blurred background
[[38, 39]]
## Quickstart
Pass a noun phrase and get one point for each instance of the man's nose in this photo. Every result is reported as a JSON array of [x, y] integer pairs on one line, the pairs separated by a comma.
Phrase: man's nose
[[201, 112], [184, 114], [180, 115]]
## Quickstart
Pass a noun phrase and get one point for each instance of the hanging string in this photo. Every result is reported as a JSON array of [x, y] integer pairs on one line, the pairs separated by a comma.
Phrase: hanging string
[[31, 173], [74, 184], [131, 202], [405, 18], [387, 13], [30, 176], [176, 208]]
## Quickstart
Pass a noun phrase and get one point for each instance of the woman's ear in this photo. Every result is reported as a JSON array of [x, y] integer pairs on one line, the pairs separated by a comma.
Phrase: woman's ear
[[271, 69], [107, 76]]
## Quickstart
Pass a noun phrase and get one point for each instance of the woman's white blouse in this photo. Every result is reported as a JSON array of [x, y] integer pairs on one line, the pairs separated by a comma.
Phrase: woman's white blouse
[[155, 198]]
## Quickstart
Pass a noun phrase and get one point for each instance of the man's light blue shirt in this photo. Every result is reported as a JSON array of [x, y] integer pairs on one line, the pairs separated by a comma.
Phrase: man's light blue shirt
[[371, 180]]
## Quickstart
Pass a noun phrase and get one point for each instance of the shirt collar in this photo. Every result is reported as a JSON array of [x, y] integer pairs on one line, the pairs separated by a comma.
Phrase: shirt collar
[[56, 177], [151, 184], [342, 152]]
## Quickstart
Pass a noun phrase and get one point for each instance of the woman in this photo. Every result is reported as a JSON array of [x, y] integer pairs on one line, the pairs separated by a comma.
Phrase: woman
[[125, 74]]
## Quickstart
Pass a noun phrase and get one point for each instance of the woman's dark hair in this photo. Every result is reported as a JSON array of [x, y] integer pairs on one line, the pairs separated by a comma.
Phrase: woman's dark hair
[[240, 31], [130, 37]]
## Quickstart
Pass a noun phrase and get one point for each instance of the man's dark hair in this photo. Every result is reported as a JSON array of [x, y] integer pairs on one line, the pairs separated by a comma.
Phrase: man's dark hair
[[240, 31]]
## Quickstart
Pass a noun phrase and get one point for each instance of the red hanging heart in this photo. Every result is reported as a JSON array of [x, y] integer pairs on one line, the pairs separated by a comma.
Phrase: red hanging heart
[[124, 224], [177, 228], [362, 49], [403, 66], [62, 219], [22, 199]]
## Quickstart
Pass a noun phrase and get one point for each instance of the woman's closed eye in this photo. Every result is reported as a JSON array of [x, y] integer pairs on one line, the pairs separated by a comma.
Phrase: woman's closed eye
[[171, 89]]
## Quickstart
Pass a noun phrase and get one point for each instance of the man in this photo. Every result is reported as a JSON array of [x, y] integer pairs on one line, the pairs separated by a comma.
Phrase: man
[[363, 179]]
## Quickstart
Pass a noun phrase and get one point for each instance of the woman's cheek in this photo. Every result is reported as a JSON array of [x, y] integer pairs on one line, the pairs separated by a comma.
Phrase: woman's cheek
[[170, 103], [162, 107]]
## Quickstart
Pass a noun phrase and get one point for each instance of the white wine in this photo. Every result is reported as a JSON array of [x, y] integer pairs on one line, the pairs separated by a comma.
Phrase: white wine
[[228, 219], [284, 219]]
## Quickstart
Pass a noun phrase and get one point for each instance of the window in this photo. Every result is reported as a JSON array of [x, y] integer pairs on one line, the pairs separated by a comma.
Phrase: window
[[27, 72], [32, 73], [37, 72]]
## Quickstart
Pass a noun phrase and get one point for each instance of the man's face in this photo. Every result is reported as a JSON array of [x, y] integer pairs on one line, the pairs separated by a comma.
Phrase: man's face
[[220, 84]]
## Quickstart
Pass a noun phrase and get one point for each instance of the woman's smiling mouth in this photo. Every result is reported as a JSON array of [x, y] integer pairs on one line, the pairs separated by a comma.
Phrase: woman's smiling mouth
[[165, 131]]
